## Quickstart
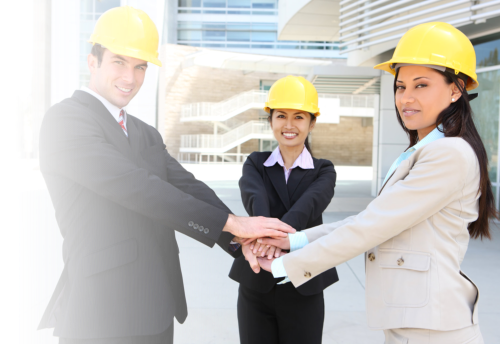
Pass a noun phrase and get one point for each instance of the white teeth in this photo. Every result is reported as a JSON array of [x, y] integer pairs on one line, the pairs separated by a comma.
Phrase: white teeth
[[290, 135], [124, 89]]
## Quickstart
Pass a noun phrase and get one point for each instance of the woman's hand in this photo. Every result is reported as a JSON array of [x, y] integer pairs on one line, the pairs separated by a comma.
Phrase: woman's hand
[[283, 243], [250, 257], [262, 250], [265, 263]]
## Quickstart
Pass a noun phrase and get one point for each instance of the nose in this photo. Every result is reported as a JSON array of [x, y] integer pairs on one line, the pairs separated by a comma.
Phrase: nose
[[289, 123], [407, 97], [128, 75]]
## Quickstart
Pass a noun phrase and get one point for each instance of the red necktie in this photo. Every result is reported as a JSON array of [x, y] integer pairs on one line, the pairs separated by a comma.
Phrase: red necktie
[[122, 122]]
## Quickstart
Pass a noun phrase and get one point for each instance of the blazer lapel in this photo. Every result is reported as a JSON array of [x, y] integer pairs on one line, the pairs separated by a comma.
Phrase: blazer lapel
[[399, 173], [294, 180], [277, 177], [95, 105]]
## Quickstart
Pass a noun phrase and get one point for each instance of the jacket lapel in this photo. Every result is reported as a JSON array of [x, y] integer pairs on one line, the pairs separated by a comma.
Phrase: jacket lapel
[[294, 180], [277, 177], [95, 105], [399, 173]]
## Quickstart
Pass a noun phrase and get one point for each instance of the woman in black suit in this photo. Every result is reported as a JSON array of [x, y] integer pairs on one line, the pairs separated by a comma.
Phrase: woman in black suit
[[291, 185]]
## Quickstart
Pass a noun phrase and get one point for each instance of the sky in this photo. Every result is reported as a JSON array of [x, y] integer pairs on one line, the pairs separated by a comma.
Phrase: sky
[[24, 47]]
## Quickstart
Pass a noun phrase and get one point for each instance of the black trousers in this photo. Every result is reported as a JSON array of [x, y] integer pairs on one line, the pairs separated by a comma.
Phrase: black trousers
[[282, 316], [167, 337]]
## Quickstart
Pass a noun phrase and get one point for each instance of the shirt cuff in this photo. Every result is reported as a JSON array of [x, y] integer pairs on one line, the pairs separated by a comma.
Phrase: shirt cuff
[[297, 241], [278, 268]]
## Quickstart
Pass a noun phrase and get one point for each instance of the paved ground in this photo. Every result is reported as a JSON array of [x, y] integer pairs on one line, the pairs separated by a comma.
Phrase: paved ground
[[31, 254]]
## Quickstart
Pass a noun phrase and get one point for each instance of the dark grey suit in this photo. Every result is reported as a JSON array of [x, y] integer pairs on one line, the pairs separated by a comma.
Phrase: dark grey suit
[[118, 201]]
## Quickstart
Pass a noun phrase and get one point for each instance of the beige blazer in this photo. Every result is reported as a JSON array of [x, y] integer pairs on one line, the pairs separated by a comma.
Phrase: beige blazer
[[414, 235]]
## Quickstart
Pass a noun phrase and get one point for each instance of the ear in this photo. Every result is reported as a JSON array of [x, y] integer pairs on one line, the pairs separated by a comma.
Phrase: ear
[[312, 125], [92, 63], [455, 91]]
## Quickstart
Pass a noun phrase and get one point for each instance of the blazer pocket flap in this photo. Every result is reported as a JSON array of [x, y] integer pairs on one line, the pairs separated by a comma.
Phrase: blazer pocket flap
[[109, 258], [400, 259]]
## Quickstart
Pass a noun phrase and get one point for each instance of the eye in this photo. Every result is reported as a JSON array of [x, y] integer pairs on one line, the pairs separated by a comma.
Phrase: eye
[[421, 85], [400, 87], [119, 62], [280, 116], [141, 67], [299, 117]]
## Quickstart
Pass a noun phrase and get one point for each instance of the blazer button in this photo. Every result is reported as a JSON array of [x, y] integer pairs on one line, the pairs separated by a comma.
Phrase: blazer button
[[307, 274], [206, 231], [401, 261], [195, 226], [201, 228], [371, 256], [191, 223]]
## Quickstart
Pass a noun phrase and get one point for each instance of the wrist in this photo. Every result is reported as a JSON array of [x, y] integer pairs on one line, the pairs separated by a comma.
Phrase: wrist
[[229, 224]]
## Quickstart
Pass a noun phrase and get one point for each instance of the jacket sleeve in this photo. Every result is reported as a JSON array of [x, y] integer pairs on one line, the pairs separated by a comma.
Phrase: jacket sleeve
[[436, 179], [74, 147], [313, 202], [179, 177]]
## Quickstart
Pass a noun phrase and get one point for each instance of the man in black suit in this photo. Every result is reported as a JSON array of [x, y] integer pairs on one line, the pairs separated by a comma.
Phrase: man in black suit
[[119, 196]]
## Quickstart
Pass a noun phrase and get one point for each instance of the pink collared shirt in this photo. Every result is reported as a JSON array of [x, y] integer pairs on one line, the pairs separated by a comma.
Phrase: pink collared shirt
[[303, 161]]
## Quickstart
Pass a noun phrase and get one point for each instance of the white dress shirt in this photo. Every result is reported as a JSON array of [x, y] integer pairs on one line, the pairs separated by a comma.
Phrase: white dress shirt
[[114, 110]]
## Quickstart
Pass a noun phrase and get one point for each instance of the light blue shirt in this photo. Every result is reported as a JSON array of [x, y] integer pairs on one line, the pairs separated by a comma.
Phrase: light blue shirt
[[299, 240]]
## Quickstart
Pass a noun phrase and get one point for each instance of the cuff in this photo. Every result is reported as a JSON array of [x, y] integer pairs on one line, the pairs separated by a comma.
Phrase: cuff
[[297, 241], [278, 268]]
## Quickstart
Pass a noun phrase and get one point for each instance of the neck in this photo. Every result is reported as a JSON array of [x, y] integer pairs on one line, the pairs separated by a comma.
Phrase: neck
[[290, 154], [425, 131]]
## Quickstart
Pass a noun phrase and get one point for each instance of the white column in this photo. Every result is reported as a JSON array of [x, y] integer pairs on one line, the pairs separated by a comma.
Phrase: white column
[[389, 138]]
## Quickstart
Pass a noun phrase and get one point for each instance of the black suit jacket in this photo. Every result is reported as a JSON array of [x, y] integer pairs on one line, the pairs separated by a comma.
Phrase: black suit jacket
[[299, 203], [118, 201]]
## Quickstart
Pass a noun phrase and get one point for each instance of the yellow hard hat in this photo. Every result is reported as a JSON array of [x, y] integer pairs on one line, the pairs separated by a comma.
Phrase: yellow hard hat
[[436, 44], [293, 92], [127, 31]]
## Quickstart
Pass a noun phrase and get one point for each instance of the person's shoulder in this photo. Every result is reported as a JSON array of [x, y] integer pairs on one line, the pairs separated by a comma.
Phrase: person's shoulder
[[259, 157], [454, 147], [322, 163]]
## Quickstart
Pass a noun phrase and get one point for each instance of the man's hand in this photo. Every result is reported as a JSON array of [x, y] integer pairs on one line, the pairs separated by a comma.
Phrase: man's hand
[[262, 250], [251, 258], [282, 243], [256, 227]]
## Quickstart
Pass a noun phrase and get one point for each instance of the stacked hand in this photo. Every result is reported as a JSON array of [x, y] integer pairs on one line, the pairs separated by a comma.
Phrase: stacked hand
[[261, 253]]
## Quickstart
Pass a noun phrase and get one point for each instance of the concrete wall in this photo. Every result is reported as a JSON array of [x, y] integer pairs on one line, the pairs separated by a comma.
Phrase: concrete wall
[[347, 143]]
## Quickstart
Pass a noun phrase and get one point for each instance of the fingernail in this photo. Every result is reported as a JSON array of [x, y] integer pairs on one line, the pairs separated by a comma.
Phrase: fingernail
[[259, 240], [251, 247]]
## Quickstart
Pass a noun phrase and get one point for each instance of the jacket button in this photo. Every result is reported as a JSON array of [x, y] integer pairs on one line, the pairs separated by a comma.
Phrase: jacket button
[[191, 223], [371, 256], [206, 231], [195, 226], [307, 274], [401, 261], [201, 228]]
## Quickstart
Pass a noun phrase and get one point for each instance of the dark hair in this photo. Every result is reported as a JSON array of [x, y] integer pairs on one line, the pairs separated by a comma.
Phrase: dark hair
[[306, 142], [457, 121], [98, 51]]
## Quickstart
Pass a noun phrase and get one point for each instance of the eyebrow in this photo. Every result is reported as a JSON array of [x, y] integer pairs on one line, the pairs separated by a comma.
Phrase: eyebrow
[[420, 77]]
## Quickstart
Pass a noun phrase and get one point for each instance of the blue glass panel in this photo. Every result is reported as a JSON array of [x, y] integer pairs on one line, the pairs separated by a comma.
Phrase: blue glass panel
[[263, 36], [487, 53], [189, 3], [264, 4], [262, 46], [214, 26], [104, 5], [189, 25], [233, 45], [239, 12], [238, 36], [239, 3], [189, 35], [214, 3], [213, 45], [214, 35], [86, 6], [264, 27], [239, 26]]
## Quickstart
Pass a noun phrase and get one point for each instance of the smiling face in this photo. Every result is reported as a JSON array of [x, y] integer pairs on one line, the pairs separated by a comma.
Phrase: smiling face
[[118, 78], [422, 93], [291, 127]]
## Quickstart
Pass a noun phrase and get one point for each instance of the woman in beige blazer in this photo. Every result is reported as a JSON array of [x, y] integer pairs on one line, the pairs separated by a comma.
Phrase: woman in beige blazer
[[436, 196]]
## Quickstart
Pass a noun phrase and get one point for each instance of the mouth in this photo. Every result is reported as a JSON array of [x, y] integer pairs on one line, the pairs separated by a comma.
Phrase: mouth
[[124, 90], [289, 135], [410, 112]]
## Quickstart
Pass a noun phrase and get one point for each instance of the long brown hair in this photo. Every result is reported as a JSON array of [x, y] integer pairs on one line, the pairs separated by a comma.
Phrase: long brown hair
[[457, 121]]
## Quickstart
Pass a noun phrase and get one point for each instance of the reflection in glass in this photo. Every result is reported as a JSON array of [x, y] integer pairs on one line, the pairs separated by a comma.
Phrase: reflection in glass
[[486, 110], [102, 6], [487, 53], [189, 3]]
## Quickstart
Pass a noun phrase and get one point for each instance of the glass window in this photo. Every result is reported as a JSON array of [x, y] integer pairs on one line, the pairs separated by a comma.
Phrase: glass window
[[102, 6], [214, 26], [189, 25], [264, 4], [214, 35], [239, 26], [487, 52], [86, 6], [189, 3], [263, 36], [238, 36], [486, 110], [264, 26], [189, 35], [214, 3], [239, 3]]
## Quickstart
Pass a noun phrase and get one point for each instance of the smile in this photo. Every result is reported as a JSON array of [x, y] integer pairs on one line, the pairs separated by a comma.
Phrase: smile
[[126, 90], [290, 135]]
